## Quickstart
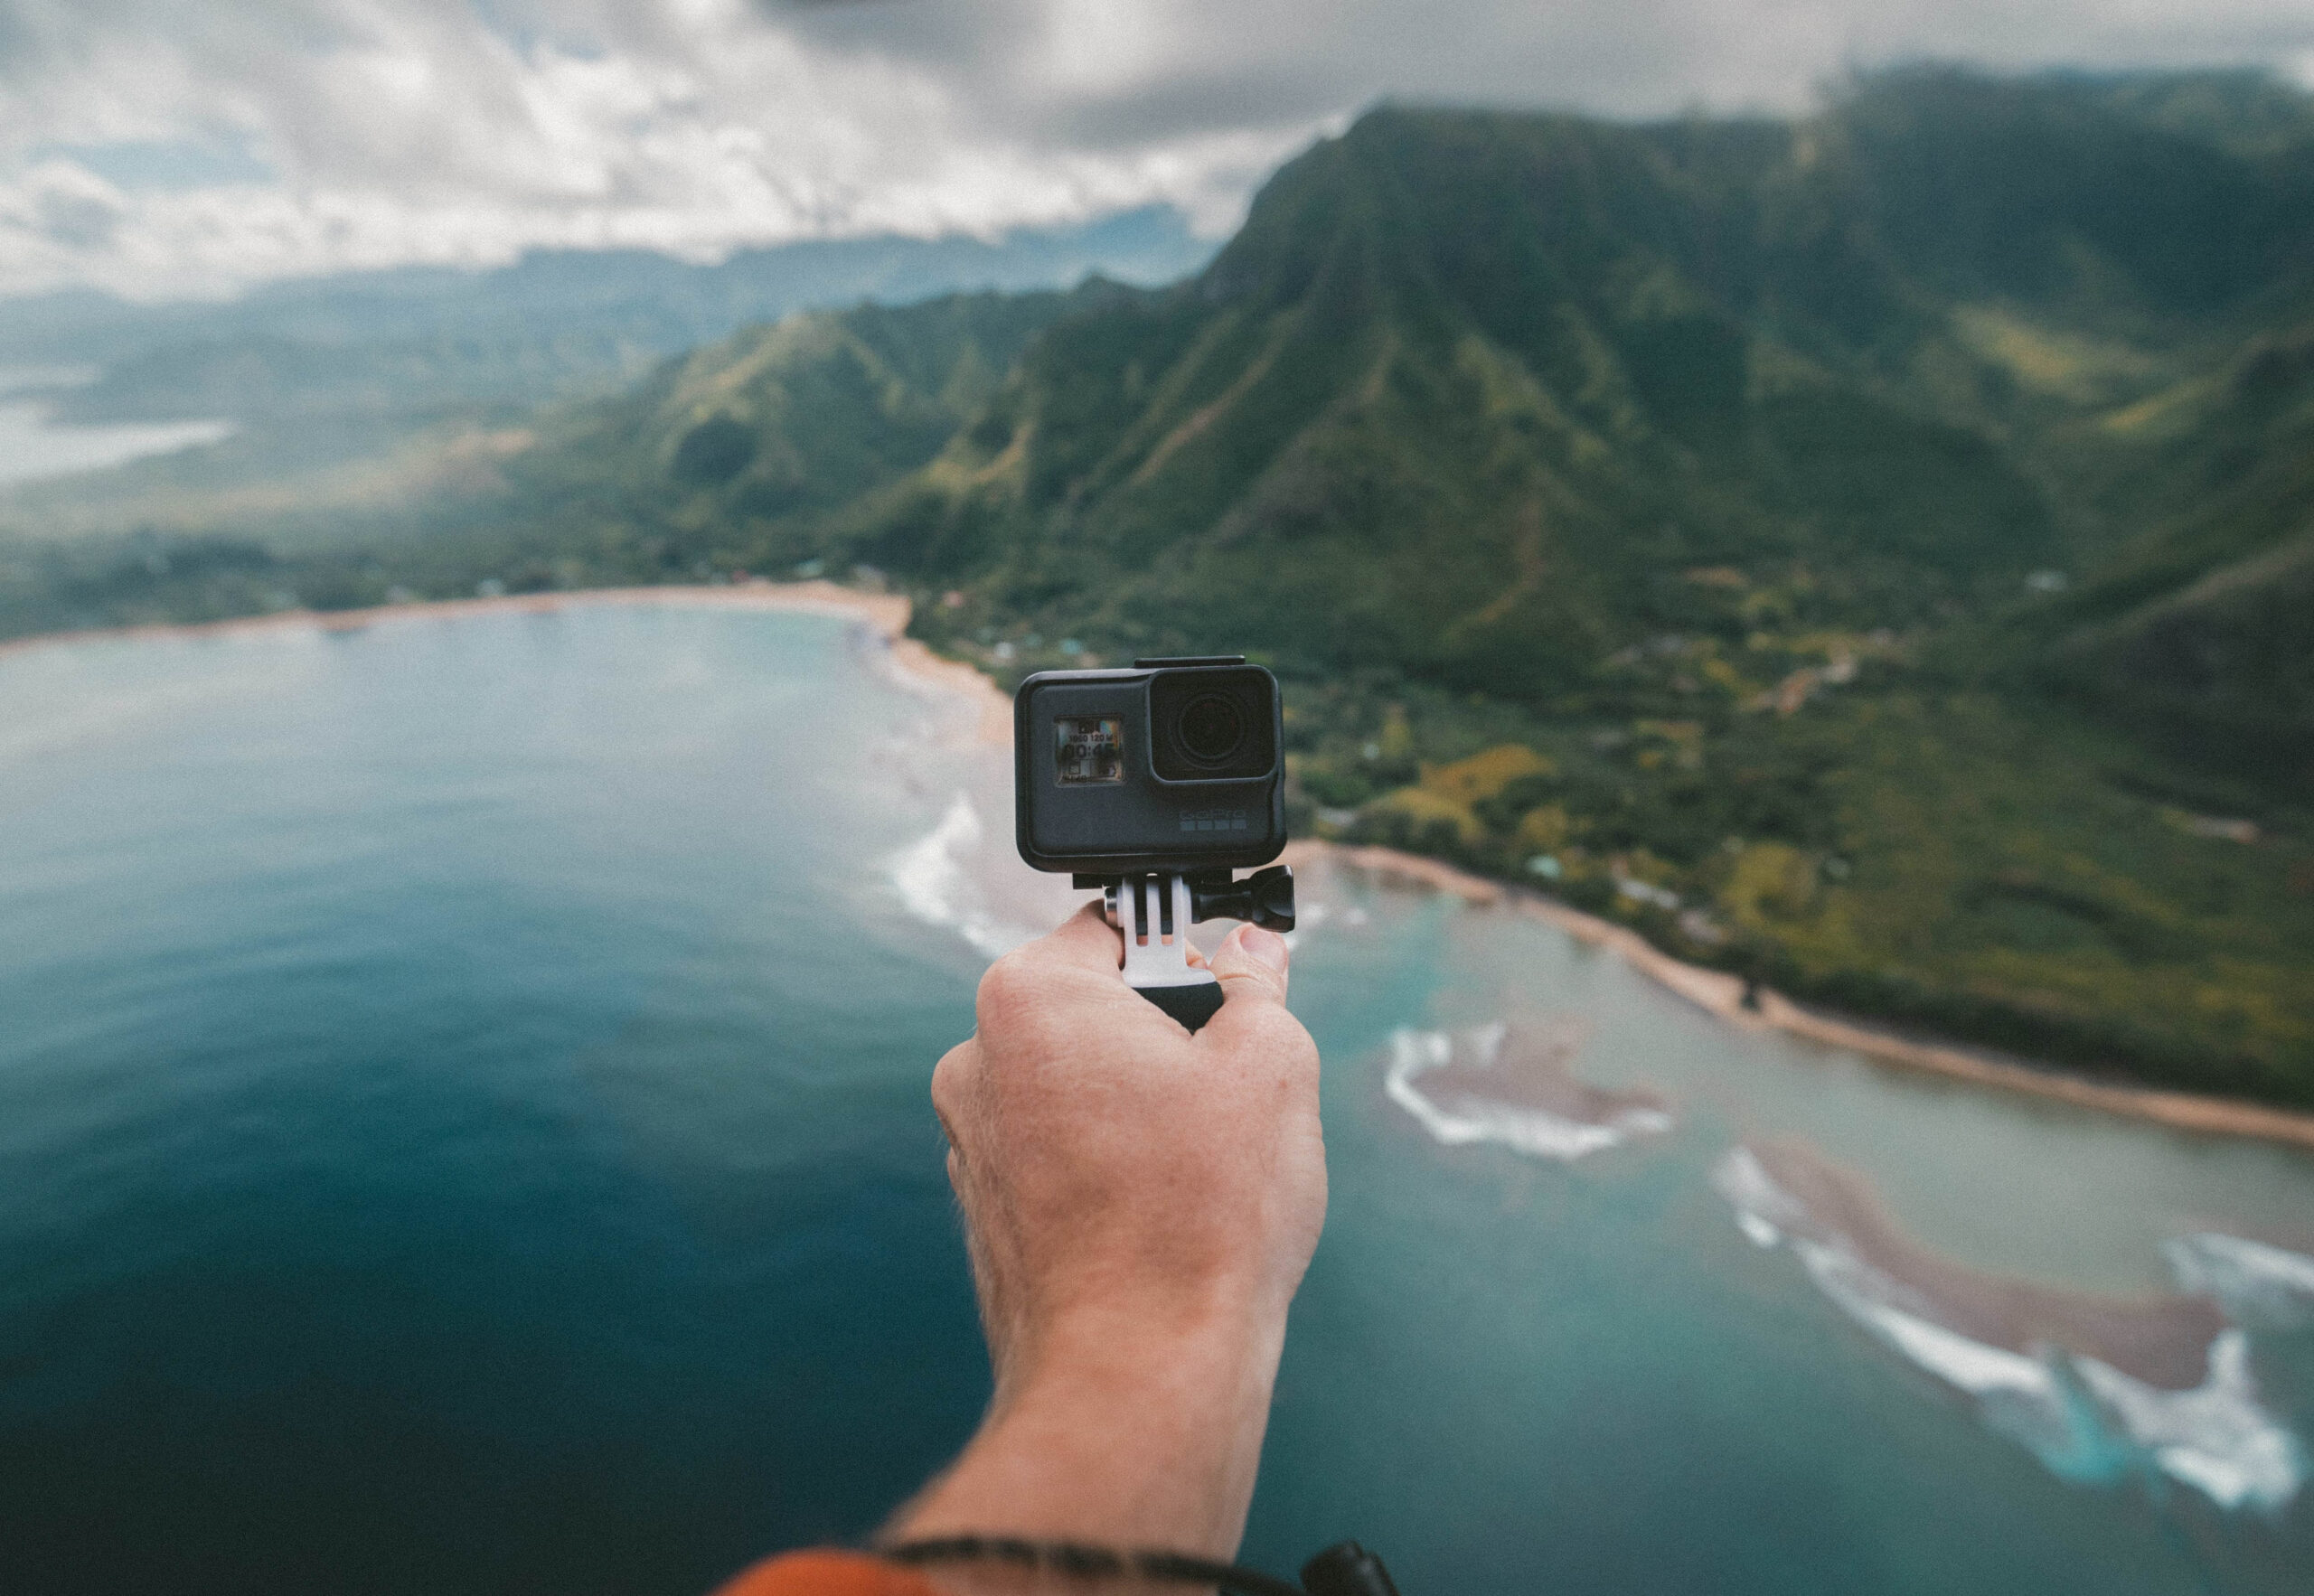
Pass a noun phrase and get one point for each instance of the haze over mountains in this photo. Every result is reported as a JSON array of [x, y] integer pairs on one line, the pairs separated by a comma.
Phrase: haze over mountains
[[361, 397], [1875, 550]]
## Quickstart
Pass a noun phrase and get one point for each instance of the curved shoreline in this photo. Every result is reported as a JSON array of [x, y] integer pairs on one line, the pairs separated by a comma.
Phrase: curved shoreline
[[886, 613], [1722, 995], [1713, 990]]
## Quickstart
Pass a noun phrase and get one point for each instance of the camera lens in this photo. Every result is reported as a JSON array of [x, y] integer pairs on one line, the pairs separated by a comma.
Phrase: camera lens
[[1211, 728]]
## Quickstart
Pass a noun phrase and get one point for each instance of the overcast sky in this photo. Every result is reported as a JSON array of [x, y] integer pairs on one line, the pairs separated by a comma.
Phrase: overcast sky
[[169, 147]]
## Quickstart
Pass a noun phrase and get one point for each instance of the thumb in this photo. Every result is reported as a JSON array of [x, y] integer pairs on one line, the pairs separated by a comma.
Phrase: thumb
[[1251, 964]]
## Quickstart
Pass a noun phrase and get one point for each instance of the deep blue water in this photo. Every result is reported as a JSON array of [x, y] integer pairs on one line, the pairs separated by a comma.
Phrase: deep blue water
[[463, 1128]]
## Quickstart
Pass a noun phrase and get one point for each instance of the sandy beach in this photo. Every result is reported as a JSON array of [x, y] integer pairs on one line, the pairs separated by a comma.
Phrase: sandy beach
[[1723, 995], [887, 612], [1714, 991]]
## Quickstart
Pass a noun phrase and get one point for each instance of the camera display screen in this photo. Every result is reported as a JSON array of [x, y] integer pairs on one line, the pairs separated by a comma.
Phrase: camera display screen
[[1088, 750]]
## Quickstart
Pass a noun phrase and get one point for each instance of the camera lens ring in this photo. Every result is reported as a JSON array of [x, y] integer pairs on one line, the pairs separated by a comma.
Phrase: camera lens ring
[[1210, 729]]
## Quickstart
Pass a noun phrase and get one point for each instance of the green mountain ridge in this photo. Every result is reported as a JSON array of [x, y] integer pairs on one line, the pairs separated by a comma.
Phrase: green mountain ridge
[[1874, 552], [2202, 627]]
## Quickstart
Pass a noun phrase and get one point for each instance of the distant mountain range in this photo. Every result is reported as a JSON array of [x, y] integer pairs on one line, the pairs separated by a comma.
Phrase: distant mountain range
[[1873, 551], [585, 299], [357, 397]]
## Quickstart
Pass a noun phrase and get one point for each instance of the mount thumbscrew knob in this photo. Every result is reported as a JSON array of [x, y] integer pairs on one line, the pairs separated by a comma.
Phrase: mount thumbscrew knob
[[1266, 899], [1270, 894]]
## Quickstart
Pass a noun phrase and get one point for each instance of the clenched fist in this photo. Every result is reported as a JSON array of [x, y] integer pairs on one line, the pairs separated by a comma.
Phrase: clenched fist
[[1139, 1205]]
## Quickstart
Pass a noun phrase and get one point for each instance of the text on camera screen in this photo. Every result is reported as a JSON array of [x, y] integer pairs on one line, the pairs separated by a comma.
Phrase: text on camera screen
[[1088, 750]]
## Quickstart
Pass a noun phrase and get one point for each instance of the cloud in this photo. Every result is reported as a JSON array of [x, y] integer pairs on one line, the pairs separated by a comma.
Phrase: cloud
[[159, 148]]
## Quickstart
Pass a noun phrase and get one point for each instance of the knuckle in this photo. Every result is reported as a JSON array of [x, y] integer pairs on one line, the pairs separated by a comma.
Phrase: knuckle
[[1275, 1035], [1255, 988], [950, 1077], [1010, 984]]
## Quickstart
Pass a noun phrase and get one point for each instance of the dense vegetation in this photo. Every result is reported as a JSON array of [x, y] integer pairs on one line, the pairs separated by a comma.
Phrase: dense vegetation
[[1874, 552]]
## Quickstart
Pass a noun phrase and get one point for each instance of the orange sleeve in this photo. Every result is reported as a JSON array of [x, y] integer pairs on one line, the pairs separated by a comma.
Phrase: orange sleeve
[[827, 1573]]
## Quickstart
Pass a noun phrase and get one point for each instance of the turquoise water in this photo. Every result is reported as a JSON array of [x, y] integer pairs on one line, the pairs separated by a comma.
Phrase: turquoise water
[[463, 1129]]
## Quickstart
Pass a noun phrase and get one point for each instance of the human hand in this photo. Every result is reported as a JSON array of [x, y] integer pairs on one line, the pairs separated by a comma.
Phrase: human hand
[[1140, 1203]]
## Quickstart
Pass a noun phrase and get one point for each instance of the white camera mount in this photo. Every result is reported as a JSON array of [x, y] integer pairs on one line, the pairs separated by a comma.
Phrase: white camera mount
[[1155, 913]]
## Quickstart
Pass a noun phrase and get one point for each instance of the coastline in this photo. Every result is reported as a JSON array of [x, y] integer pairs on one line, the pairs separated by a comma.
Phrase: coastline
[[887, 612], [1713, 990], [1722, 995]]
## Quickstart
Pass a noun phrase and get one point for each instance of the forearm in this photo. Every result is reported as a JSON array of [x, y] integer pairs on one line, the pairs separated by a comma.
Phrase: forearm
[[1119, 1436], [1139, 1203]]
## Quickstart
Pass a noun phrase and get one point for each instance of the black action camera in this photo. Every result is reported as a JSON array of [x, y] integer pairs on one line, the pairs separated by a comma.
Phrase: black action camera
[[1174, 767], [1154, 785]]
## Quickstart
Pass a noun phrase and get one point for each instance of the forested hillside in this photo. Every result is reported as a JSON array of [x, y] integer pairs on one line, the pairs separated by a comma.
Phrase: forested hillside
[[1873, 551]]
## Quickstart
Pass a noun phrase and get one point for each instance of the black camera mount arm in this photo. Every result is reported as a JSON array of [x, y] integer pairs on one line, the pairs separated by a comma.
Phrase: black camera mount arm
[[1154, 912]]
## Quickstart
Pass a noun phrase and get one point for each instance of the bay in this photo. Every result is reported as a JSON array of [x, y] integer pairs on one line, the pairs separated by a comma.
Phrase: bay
[[32, 445], [463, 1128]]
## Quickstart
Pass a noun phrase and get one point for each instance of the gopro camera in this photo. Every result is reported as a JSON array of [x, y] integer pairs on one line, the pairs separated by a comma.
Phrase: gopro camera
[[1156, 784]]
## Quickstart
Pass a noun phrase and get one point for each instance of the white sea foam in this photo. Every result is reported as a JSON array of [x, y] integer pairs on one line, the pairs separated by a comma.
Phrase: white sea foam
[[2263, 1286], [1464, 1118], [2018, 1393], [2214, 1438], [1747, 1185], [1870, 1298], [2082, 1418], [2022, 1395], [936, 884]]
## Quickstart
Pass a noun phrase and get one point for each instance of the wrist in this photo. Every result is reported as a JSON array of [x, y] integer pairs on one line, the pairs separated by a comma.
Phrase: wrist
[[1121, 1427], [1107, 1334]]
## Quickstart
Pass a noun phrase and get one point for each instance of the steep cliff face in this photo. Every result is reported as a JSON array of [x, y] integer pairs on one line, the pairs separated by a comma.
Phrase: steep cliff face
[[2200, 629], [1469, 394]]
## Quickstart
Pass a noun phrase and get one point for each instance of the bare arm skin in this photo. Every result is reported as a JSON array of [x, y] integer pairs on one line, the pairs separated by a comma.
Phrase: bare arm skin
[[1139, 1205]]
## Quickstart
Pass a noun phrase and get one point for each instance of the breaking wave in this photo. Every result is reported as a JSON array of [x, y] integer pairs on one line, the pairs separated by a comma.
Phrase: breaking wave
[[2214, 1438], [2263, 1286], [936, 884], [1562, 1119], [2086, 1418]]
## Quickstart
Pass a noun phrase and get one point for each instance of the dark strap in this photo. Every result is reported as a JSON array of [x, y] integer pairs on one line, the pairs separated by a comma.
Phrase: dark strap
[[1191, 1005], [1091, 1563]]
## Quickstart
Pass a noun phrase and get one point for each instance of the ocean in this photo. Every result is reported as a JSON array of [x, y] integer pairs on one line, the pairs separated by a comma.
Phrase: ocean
[[463, 1128]]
